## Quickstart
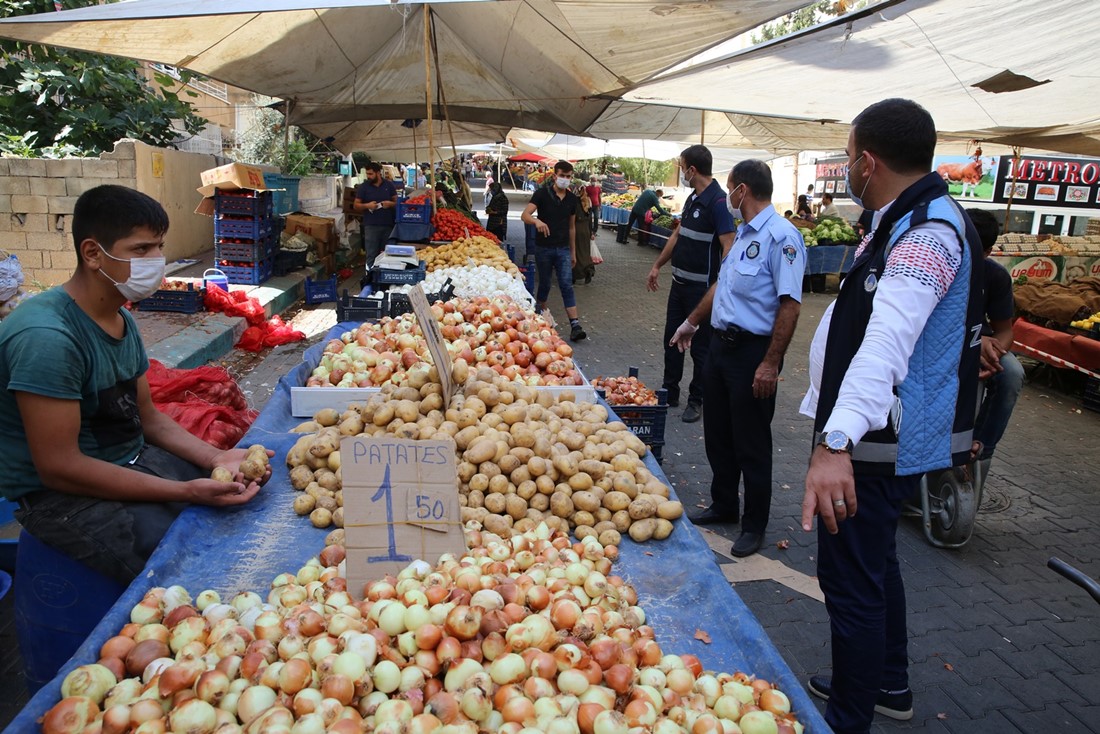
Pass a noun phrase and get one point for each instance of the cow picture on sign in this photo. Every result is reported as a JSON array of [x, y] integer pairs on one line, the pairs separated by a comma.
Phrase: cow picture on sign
[[968, 177]]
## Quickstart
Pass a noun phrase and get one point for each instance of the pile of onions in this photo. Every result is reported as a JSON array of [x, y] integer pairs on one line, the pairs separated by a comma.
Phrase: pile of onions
[[524, 457], [518, 635]]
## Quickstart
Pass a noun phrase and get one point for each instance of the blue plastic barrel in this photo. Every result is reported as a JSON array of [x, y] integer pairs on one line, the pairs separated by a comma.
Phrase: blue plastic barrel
[[57, 603]]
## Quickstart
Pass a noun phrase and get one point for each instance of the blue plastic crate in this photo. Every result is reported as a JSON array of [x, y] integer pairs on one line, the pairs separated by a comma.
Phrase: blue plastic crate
[[243, 228], [245, 251], [414, 213], [188, 301], [244, 203], [409, 276], [247, 273], [320, 291], [647, 422], [284, 190]]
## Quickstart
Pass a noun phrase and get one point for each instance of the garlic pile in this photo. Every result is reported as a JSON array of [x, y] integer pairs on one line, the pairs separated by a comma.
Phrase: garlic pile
[[470, 281]]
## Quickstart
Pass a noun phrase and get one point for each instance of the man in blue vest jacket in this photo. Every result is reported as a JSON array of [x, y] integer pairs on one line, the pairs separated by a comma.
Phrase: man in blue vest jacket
[[898, 391]]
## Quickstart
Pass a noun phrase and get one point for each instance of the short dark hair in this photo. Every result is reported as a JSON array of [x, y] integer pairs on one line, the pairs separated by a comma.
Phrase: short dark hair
[[986, 225], [110, 213], [659, 192], [900, 132], [372, 166], [756, 175], [699, 158], [563, 166], [826, 196]]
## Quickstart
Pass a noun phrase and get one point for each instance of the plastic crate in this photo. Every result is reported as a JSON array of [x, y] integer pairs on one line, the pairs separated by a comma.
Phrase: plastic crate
[[188, 301], [243, 273], [287, 261], [245, 251], [511, 250], [528, 270], [244, 203], [385, 276], [243, 228], [414, 213], [647, 422], [284, 192], [319, 291], [399, 303], [355, 308]]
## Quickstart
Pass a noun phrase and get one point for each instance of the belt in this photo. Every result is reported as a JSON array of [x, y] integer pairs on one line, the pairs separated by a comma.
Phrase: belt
[[735, 335]]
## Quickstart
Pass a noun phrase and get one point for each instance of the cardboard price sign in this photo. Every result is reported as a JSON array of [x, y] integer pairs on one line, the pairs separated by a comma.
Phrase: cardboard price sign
[[434, 336], [400, 505]]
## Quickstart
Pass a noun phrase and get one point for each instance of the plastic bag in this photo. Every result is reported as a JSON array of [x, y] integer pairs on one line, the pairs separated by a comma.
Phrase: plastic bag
[[271, 333], [11, 277], [206, 401], [594, 252], [234, 303]]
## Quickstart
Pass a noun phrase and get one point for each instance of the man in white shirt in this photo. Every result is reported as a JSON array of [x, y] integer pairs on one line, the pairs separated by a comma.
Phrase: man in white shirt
[[895, 399]]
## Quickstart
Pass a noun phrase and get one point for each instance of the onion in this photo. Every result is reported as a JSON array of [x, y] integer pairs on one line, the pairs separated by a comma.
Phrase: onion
[[253, 702], [758, 722], [117, 647], [206, 598], [124, 693], [70, 715], [192, 717], [387, 676]]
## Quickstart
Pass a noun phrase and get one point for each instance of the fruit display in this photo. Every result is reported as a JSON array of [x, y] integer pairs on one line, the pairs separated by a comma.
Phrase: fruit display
[[625, 391], [531, 633], [498, 333], [474, 250], [524, 457], [177, 285], [620, 201], [469, 281], [665, 220], [829, 229], [1092, 323], [450, 224]]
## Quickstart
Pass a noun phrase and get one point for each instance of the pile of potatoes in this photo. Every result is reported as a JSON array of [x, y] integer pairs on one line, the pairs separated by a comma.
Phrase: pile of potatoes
[[524, 457]]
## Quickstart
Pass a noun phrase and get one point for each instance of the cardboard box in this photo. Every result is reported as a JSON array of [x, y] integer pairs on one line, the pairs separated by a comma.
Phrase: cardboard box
[[322, 229], [348, 202], [231, 176]]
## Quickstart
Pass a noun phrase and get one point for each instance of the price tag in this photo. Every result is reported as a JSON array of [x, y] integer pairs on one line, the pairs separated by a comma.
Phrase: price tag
[[400, 504], [434, 336]]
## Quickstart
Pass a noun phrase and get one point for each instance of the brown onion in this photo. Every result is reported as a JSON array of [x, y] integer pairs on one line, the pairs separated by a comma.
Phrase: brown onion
[[144, 653], [70, 715]]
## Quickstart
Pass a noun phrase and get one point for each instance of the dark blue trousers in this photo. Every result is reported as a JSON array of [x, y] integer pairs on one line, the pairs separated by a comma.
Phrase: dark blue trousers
[[864, 595], [683, 297]]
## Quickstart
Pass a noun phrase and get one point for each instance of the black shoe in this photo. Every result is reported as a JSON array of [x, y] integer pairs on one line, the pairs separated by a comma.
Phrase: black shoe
[[576, 333], [895, 705], [587, 279], [692, 413], [747, 544], [710, 517]]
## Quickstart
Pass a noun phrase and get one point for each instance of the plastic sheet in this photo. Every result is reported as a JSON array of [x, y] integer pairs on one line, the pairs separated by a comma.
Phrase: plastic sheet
[[824, 259], [243, 549]]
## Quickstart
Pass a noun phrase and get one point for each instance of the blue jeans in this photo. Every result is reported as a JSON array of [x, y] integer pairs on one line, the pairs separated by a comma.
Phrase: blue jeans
[[560, 260], [1001, 391]]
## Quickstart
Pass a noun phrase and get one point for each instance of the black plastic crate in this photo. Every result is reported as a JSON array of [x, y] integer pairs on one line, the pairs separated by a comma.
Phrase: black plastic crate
[[244, 203], [647, 422], [245, 251], [287, 261], [243, 273], [319, 291], [399, 303], [188, 301], [247, 228], [356, 308], [385, 276]]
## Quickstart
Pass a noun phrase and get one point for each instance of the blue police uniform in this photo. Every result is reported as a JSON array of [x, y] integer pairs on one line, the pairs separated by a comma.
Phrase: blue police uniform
[[767, 261], [696, 258]]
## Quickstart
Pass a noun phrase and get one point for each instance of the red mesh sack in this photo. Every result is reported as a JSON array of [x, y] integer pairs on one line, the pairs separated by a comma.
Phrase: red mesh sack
[[206, 401], [234, 303], [218, 425], [270, 333]]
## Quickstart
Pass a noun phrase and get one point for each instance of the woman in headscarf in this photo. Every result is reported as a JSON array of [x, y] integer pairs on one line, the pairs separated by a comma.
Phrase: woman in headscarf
[[585, 268], [497, 211]]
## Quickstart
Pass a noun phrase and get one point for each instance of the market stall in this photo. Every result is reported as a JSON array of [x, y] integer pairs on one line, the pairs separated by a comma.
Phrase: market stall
[[1077, 352]]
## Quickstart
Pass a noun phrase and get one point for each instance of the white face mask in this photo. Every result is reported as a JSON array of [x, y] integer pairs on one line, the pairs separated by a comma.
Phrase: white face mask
[[857, 200], [685, 180], [563, 183], [146, 276], [735, 211]]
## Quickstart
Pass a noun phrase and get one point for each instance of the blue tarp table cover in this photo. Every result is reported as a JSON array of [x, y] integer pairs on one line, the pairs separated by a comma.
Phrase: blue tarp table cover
[[825, 259], [679, 585], [614, 215], [411, 232]]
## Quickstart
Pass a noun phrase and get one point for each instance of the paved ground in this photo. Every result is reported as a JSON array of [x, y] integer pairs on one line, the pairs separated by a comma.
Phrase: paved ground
[[997, 642]]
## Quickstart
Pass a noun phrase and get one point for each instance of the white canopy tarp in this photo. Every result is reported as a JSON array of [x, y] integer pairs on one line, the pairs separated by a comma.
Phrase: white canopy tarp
[[538, 64], [1034, 60]]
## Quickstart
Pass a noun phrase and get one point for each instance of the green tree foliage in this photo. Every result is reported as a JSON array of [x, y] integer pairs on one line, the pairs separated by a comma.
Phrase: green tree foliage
[[264, 142], [56, 102], [806, 17], [639, 170]]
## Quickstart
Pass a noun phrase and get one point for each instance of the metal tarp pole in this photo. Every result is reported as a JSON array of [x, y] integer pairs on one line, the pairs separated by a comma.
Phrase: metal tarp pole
[[428, 96], [1012, 185]]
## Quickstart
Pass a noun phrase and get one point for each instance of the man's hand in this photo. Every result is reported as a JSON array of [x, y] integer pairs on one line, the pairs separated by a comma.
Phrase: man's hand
[[992, 351], [682, 338], [221, 494], [231, 460], [651, 284], [765, 380], [542, 228], [830, 489]]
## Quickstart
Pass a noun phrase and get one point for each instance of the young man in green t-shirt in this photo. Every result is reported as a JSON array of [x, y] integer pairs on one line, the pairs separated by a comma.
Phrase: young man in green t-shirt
[[97, 470]]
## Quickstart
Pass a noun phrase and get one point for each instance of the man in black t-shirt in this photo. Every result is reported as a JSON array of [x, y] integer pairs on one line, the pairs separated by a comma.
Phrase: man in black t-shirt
[[375, 200], [1001, 370], [552, 211]]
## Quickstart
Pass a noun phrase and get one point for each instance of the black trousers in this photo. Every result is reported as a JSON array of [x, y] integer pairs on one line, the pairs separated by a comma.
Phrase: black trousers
[[683, 297], [737, 430], [864, 595], [594, 213]]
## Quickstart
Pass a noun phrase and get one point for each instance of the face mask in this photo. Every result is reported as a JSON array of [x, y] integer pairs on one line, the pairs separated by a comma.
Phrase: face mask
[[685, 180], [857, 200], [735, 211], [563, 183], [146, 275]]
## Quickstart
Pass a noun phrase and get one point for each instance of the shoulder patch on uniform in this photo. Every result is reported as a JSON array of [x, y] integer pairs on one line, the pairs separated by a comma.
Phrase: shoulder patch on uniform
[[753, 250], [790, 253]]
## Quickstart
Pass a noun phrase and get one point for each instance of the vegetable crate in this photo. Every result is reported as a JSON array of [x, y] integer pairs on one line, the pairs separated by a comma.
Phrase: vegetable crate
[[244, 203], [414, 213], [385, 276], [528, 271], [319, 291], [248, 228], [245, 251], [188, 301], [284, 192], [245, 273], [287, 261], [647, 422], [400, 303], [356, 308]]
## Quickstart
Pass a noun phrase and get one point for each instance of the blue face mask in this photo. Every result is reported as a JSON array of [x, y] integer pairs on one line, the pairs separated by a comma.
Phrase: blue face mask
[[857, 200]]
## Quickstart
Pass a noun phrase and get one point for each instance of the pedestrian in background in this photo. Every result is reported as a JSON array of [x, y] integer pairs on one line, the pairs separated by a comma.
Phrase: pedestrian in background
[[496, 211], [695, 249], [375, 199], [489, 181], [648, 199], [897, 395], [584, 268], [594, 193], [753, 309]]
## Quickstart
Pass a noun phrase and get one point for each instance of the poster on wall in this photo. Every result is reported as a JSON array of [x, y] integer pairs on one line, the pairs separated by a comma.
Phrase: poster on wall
[[829, 176], [968, 178], [1049, 181]]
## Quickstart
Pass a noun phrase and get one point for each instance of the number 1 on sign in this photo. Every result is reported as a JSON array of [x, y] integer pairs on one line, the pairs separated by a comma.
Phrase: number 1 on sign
[[386, 492]]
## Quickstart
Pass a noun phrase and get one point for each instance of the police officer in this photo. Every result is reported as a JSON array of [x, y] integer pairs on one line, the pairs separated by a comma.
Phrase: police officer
[[753, 309], [696, 249]]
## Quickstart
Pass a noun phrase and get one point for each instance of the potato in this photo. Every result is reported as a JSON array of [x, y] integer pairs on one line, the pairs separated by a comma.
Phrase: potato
[[307, 427], [326, 479], [466, 470], [501, 525], [616, 501], [581, 517], [479, 482], [662, 530], [475, 499], [602, 514], [514, 414], [410, 431], [500, 484], [327, 417], [407, 410], [610, 537], [334, 461], [300, 477], [545, 485], [324, 445], [327, 502], [565, 464], [251, 469], [561, 505], [585, 501], [336, 537], [466, 436], [221, 474], [643, 530], [670, 510], [540, 502], [580, 481], [351, 426], [622, 520], [480, 450], [642, 508], [304, 504], [489, 469], [383, 415], [321, 518], [583, 531], [526, 490], [515, 506], [624, 482], [602, 525]]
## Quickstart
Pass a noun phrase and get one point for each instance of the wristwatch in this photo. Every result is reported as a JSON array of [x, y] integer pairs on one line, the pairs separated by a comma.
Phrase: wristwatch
[[835, 442]]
